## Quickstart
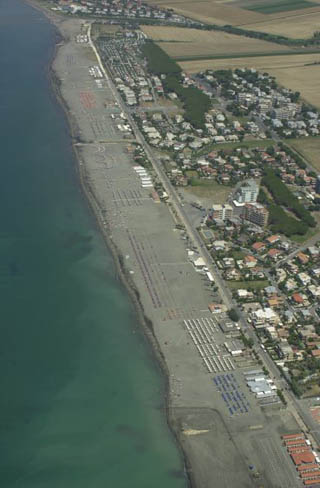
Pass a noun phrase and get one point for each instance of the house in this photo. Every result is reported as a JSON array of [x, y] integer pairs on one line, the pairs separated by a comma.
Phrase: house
[[275, 302], [272, 239], [304, 278], [297, 299], [270, 290], [291, 284], [286, 349], [302, 257], [263, 316], [250, 261], [243, 293], [219, 245], [274, 253], [258, 246], [314, 291], [217, 307], [313, 251], [199, 263]]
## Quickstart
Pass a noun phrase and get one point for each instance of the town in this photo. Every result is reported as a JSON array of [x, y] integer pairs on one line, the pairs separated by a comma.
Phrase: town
[[215, 150], [264, 178]]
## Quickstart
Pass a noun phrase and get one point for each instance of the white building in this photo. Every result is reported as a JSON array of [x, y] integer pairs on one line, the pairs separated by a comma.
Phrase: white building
[[248, 192]]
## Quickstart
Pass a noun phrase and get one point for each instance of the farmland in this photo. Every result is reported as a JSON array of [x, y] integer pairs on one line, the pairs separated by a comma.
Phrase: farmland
[[259, 63], [295, 27], [300, 78], [179, 41], [212, 11], [309, 148], [275, 6], [240, 12]]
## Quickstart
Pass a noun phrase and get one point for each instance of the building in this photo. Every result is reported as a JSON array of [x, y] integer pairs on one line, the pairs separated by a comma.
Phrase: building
[[230, 329], [286, 112], [235, 347], [250, 261], [237, 208], [248, 192], [318, 185], [256, 213], [222, 212]]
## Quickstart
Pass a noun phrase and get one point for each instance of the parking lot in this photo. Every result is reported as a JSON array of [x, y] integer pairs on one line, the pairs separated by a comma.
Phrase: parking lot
[[234, 397]]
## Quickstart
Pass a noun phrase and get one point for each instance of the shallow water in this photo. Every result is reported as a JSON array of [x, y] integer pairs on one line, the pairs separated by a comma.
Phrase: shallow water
[[81, 400]]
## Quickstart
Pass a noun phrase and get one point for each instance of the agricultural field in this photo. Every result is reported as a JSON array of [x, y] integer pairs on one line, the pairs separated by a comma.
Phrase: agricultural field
[[309, 148], [211, 12], [257, 62], [294, 27], [104, 29], [239, 12], [179, 41], [274, 6], [290, 71], [301, 78]]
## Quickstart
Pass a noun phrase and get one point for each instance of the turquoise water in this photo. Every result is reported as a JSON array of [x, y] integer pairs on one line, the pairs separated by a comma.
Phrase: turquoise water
[[81, 400]]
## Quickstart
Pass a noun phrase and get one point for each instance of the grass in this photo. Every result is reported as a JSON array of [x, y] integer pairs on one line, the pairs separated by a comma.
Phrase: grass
[[237, 255], [273, 7], [311, 392], [308, 235], [190, 173], [209, 189], [296, 27], [177, 41], [104, 29], [199, 57], [300, 78], [235, 145], [255, 284], [271, 64], [308, 148], [212, 12]]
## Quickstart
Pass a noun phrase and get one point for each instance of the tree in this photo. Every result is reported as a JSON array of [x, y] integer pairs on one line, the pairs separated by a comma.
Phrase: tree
[[233, 315]]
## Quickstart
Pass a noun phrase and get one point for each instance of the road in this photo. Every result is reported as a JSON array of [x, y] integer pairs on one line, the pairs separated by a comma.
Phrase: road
[[310, 242]]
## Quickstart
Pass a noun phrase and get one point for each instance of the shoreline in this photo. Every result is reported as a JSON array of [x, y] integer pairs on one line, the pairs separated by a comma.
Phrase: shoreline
[[120, 269]]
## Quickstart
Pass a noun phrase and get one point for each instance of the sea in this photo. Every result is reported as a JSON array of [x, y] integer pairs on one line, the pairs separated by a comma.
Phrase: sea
[[81, 396]]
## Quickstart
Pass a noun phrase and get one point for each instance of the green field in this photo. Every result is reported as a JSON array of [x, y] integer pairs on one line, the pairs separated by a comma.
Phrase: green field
[[209, 189], [254, 285], [276, 6], [234, 145]]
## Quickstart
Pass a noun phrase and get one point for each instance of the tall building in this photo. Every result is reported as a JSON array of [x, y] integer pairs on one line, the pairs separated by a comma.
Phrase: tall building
[[248, 192], [256, 213], [221, 212], [318, 185]]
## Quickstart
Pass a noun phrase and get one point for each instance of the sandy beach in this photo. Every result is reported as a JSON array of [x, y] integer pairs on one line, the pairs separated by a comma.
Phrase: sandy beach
[[168, 293]]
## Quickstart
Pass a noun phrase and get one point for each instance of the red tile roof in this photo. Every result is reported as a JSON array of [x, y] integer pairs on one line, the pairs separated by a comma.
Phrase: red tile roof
[[297, 298], [303, 458]]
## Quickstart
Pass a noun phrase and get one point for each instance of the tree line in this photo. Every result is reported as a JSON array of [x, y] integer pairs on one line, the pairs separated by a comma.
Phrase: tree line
[[195, 102]]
